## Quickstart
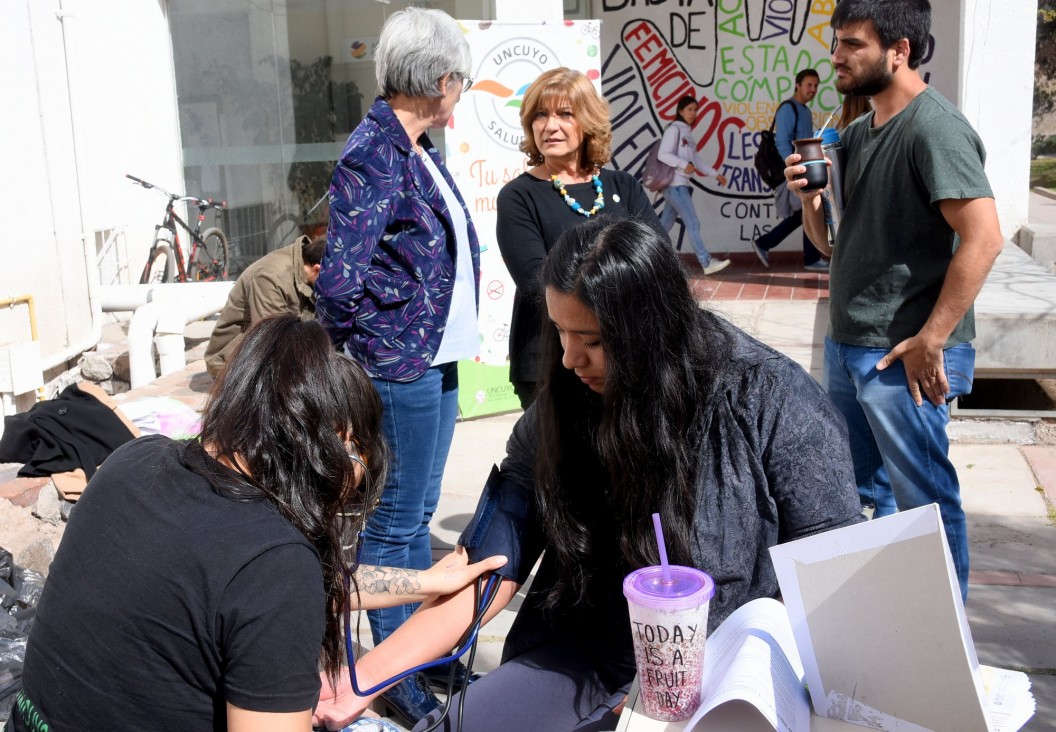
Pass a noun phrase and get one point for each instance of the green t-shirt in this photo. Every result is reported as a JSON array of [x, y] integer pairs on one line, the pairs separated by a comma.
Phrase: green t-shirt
[[894, 246]]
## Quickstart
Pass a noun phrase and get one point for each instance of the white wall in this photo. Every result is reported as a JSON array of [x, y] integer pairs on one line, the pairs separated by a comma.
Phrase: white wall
[[996, 96], [87, 98]]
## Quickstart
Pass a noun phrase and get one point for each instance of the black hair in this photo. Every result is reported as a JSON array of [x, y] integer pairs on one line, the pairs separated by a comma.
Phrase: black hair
[[683, 103], [636, 446], [805, 73], [312, 251], [893, 21], [280, 414]]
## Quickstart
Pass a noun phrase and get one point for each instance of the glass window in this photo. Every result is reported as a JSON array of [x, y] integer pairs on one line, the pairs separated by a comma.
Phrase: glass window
[[268, 91]]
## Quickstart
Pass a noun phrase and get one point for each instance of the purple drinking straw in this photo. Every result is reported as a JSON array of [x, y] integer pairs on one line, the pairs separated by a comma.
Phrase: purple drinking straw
[[663, 549]]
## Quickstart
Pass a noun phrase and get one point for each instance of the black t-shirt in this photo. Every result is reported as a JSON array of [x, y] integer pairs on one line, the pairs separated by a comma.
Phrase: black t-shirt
[[166, 600], [531, 216]]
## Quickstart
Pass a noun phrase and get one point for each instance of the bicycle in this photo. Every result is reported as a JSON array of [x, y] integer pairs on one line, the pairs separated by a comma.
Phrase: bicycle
[[288, 227], [209, 255]]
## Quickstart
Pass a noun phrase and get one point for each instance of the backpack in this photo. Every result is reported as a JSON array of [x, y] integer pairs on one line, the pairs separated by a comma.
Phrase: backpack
[[768, 160], [656, 174]]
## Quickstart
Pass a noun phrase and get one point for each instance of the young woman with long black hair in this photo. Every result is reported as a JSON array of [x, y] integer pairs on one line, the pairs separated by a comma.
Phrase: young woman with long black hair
[[648, 404], [201, 584]]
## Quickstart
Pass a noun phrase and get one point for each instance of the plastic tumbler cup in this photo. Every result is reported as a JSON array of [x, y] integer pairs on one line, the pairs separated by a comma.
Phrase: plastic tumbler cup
[[813, 157], [669, 624]]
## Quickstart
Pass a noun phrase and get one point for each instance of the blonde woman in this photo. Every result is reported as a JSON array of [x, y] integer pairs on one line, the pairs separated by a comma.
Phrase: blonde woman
[[567, 138]]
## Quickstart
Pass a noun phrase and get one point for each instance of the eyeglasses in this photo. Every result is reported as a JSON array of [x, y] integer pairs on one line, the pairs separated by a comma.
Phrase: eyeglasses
[[353, 520], [467, 82]]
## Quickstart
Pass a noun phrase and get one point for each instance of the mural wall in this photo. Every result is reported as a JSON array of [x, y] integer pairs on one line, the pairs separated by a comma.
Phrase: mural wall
[[739, 58]]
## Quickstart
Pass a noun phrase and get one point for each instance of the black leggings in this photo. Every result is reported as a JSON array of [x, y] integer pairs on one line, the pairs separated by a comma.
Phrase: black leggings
[[549, 688]]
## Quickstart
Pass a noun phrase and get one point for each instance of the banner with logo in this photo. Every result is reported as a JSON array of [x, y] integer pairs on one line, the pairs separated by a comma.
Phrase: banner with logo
[[483, 154], [739, 58]]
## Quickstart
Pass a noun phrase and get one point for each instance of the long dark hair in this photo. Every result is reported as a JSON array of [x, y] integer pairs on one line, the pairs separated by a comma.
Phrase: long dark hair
[[663, 356], [280, 413]]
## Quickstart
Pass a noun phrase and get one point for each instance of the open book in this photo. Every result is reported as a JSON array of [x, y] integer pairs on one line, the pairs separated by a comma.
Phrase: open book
[[861, 639]]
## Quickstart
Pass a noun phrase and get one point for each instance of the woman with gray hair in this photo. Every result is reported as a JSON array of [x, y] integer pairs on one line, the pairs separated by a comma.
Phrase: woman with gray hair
[[398, 291]]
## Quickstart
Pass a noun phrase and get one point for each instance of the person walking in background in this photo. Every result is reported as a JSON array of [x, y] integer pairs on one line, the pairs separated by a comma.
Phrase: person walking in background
[[679, 150], [918, 237], [279, 282], [567, 138], [793, 121], [398, 291]]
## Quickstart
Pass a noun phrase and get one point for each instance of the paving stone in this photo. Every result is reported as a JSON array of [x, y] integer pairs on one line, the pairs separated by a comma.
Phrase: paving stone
[[49, 505], [23, 491]]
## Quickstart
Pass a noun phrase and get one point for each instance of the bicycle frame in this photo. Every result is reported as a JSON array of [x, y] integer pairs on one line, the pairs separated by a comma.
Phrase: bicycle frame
[[203, 263], [172, 219]]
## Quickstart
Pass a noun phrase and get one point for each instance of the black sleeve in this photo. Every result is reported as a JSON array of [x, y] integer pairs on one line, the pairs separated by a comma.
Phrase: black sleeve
[[637, 200], [506, 521], [520, 237], [806, 453], [272, 619]]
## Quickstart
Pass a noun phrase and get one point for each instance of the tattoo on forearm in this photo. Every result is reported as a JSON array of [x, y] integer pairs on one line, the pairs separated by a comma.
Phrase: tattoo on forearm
[[388, 580]]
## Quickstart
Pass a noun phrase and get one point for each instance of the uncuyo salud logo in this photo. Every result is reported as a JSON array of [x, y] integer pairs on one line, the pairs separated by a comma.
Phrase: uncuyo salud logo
[[502, 76]]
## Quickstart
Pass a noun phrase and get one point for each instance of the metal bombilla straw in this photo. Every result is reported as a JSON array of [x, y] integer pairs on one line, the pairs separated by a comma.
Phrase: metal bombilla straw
[[838, 108]]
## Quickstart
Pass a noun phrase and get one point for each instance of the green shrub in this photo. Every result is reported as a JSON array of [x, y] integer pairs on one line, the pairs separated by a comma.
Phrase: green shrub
[[1044, 145], [1043, 173]]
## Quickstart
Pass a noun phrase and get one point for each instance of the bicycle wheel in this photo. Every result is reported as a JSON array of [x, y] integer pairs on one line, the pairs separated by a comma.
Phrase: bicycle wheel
[[210, 260], [285, 229], [161, 267]]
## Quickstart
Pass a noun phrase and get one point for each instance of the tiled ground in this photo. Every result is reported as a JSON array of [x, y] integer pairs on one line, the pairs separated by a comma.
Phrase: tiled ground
[[746, 279]]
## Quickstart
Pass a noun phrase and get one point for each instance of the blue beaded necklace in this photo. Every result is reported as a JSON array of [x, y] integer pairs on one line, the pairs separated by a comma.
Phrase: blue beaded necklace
[[599, 200]]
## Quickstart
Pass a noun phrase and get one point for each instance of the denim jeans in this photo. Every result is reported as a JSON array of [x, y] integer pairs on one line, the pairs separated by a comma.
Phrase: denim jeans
[[418, 423], [777, 234], [680, 203], [900, 451]]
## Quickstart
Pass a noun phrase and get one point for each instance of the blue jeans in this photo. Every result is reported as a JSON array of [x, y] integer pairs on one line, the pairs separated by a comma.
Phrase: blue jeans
[[900, 451], [418, 423], [680, 203], [776, 235]]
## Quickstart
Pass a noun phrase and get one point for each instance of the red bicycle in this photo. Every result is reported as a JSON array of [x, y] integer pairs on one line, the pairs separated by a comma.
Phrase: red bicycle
[[209, 256]]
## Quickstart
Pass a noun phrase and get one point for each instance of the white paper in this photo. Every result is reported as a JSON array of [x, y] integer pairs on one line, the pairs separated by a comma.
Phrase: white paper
[[752, 657], [1009, 696], [877, 616]]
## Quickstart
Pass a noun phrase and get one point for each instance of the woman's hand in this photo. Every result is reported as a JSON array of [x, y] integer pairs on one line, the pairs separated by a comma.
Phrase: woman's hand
[[453, 572], [338, 707], [380, 587], [721, 179]]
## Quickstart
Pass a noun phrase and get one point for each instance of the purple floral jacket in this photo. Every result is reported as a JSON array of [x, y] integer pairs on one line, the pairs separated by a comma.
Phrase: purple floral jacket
[[386, 281]]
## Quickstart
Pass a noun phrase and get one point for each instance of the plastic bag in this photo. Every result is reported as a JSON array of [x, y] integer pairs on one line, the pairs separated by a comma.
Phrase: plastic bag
[[20, 590]]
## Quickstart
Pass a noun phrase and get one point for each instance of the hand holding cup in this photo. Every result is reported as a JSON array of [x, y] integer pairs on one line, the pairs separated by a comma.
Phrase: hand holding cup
[[812, 158]]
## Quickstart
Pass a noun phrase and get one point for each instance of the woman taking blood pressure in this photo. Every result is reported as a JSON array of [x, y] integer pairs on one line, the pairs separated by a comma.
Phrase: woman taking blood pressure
[[200, 585]]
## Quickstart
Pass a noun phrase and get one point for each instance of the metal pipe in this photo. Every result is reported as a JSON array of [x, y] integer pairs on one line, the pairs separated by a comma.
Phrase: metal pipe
[[161, 313], [28, 301], [95, 333]]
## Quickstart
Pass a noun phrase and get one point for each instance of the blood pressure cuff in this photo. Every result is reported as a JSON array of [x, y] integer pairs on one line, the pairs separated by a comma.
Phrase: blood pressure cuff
[[505, 523]]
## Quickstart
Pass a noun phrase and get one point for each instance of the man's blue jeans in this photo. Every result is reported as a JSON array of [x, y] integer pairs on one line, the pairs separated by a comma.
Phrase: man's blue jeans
[[418, 423], [900, 451], [776, 235], [680, 203]]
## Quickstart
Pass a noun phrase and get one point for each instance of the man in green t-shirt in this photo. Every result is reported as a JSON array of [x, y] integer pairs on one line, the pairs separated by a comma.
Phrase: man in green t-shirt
[[918, 237]]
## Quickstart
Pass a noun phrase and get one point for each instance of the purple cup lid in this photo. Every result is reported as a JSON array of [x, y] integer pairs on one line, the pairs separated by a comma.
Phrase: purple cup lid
[[688, 587]]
